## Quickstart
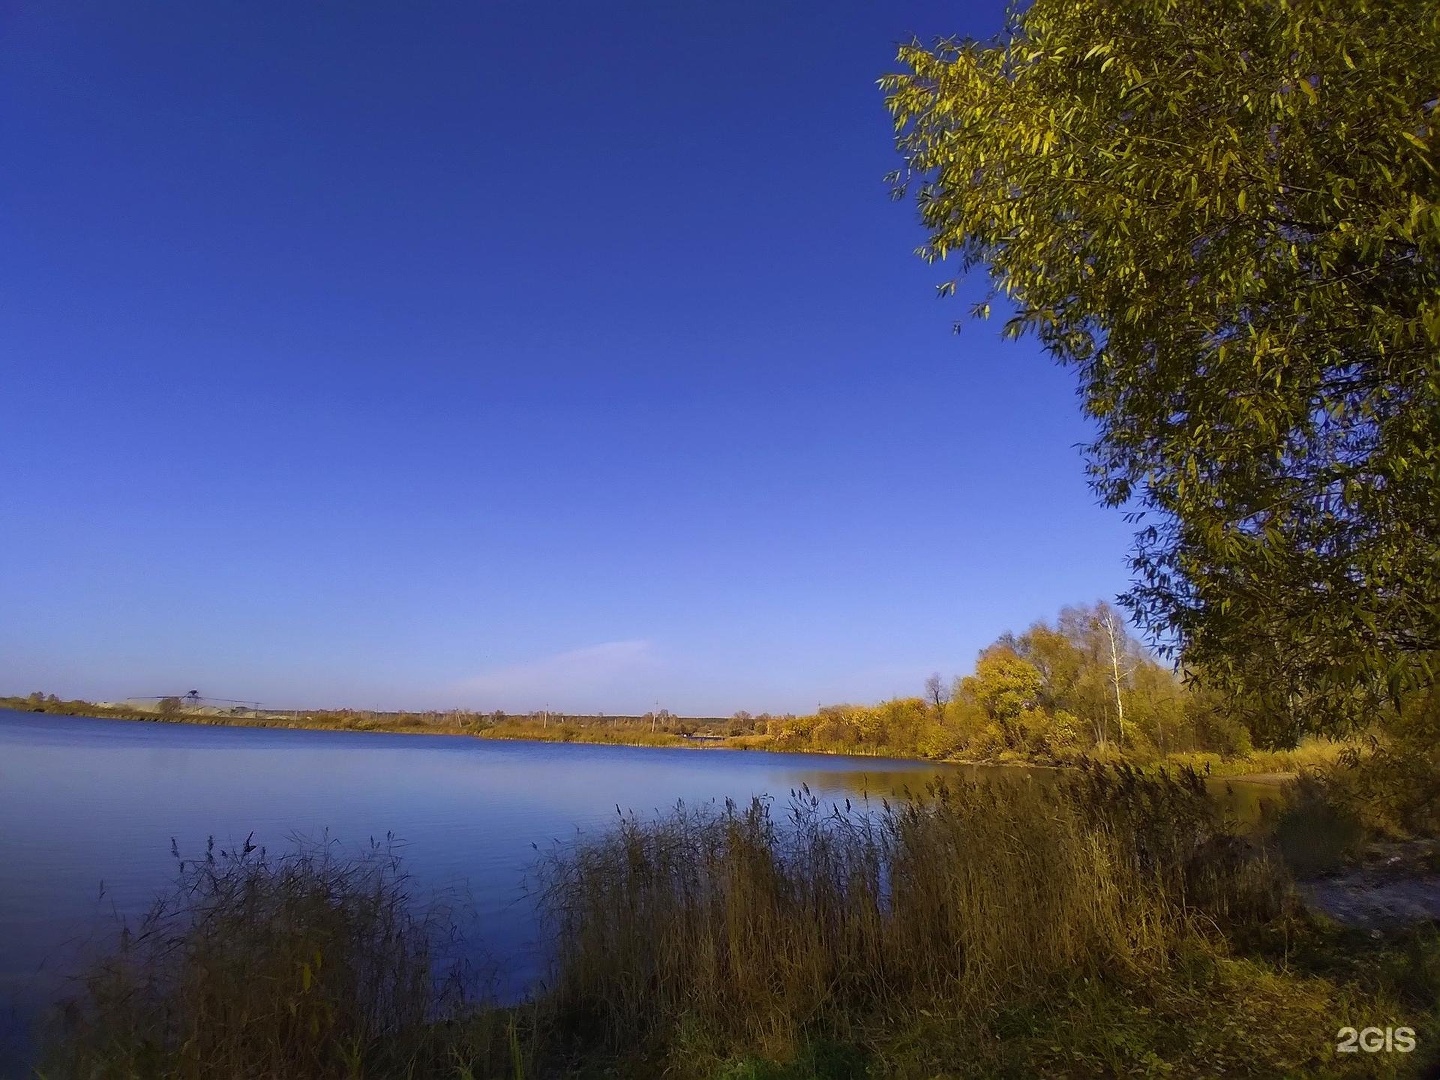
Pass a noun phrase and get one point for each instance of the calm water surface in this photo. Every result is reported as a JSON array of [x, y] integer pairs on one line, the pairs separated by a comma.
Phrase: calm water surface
[[88, 809]]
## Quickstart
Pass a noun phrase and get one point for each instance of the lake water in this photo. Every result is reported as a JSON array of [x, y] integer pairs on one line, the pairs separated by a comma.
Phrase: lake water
[[88, 809], [87, 802]]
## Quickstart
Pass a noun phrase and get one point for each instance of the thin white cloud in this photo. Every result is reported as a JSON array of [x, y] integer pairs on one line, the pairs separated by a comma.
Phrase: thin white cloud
[[584, 678]]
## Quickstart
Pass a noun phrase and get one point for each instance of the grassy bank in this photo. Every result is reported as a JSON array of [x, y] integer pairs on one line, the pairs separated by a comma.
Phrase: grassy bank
[[586, 733], [1104, 925], [1310, 753]]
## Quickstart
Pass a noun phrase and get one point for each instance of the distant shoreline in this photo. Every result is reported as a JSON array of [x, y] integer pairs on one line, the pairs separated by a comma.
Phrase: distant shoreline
[[561, 731], [505, 732]]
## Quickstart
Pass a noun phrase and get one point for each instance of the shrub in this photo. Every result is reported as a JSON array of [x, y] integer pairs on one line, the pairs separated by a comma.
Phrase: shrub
[[1313, 833]]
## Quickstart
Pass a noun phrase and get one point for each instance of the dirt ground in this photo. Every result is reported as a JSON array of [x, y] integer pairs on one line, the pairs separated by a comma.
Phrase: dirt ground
[[1394, 885]]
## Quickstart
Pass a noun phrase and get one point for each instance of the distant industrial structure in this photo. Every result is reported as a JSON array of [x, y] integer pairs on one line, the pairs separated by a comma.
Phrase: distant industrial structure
[[192, 701]]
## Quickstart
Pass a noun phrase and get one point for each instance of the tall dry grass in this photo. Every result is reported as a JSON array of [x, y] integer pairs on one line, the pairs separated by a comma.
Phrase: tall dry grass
[[734, 929], [307, 965], [707, 937]]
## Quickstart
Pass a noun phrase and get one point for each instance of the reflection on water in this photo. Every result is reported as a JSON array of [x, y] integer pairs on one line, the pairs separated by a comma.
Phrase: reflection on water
[[88, 809], [1244, 802]]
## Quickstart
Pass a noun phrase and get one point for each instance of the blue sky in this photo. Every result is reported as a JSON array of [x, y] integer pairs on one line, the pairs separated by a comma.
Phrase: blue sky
[[501, 355]]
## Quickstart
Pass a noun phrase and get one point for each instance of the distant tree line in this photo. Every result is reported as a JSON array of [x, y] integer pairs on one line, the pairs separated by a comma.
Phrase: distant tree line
[[1083, 686]]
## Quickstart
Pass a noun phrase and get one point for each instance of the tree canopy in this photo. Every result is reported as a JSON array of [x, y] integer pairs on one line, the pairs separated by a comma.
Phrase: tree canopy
[[1225, 215]]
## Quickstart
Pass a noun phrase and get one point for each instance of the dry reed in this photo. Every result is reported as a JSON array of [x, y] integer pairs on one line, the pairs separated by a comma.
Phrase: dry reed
[[937, 934], [760, 933], [307, 965]]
